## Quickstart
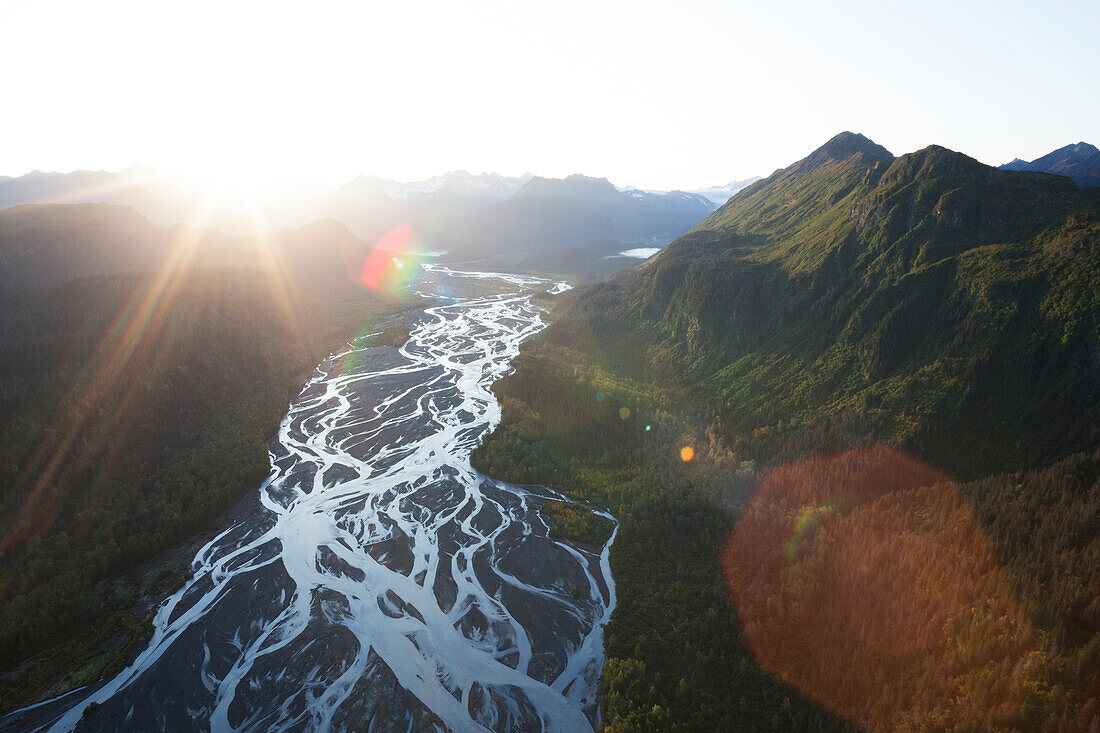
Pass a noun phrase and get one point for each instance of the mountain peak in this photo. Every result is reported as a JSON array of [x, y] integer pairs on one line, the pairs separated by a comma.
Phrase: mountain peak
[[841, 147], [1065, 155], [930, 162], [1079, 161], [573, 185]]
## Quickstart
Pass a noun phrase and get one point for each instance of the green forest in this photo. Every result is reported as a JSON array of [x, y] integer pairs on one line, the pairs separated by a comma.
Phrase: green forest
[[851, 308], [678, 654], [136, 410], [677, 658]]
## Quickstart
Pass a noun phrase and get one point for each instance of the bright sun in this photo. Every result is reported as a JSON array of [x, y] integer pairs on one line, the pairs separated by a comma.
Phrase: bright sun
[[234, 178]]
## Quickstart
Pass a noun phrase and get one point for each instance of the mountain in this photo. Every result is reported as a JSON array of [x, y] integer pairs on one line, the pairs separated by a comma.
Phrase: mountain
[[76, 187], [855, 281], [164, 200], [571, 224], [47, 242], [1080, 161], [138, 187], [576, 225], [370, 206], [142, 370], [56, 242], [838, 150], [851, 415]]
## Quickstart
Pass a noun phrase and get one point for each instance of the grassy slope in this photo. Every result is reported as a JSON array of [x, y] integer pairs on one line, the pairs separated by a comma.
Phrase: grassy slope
[[926, 291], [928, 301]]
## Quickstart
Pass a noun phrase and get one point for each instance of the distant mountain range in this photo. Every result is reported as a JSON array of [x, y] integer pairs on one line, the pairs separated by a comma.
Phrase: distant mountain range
[[575, 225], [1080, 161], [164, 200], [571, 224], [370, 206], [46, 243]]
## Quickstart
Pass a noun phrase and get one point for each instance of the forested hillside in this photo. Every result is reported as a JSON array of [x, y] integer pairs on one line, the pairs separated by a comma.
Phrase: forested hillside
[[928, 303], [926, 294], [135, 409], [46, 243]]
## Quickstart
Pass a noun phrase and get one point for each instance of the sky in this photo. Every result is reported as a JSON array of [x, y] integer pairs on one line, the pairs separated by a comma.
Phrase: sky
[[684, 94]]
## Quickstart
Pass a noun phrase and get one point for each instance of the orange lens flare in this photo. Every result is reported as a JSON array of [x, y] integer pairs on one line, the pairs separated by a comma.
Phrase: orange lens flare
[[687, 453], [863, 580]]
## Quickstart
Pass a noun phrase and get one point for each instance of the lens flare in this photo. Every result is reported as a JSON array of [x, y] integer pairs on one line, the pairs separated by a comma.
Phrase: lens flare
[[863, 580], [624, 412], [687, 453], [805, 527], [393, 264]]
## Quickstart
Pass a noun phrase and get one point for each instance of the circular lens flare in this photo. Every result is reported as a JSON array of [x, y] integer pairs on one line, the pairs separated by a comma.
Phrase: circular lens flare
[[392, 264], [863, 580]]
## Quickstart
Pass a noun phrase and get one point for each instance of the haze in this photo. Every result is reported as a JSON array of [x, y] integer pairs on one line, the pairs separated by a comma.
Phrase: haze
[[659, 95]]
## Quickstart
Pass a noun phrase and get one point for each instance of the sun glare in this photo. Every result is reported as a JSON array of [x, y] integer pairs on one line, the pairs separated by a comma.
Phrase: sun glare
[[392, 263], [230, 184]]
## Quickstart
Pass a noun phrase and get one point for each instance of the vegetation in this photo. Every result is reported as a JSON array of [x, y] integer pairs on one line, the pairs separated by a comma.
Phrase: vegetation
[[135, 410], [916, 293], [572, 521], [875, 558], [677, 658], [852, 300], [886, 371]]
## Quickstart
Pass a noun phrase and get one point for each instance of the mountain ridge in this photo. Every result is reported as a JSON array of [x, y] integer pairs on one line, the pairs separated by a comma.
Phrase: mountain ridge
[[840, 148], [571, 225], [1079, 161], [928, 320], [827, 253], [42, 243]]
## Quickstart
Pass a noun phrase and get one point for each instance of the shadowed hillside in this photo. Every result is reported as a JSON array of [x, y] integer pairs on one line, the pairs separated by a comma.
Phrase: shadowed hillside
[[141, 372], [927, 302], [928, 294]]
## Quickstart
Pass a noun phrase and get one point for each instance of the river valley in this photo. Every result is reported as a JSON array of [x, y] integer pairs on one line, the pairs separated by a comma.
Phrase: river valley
[[382, 584]]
